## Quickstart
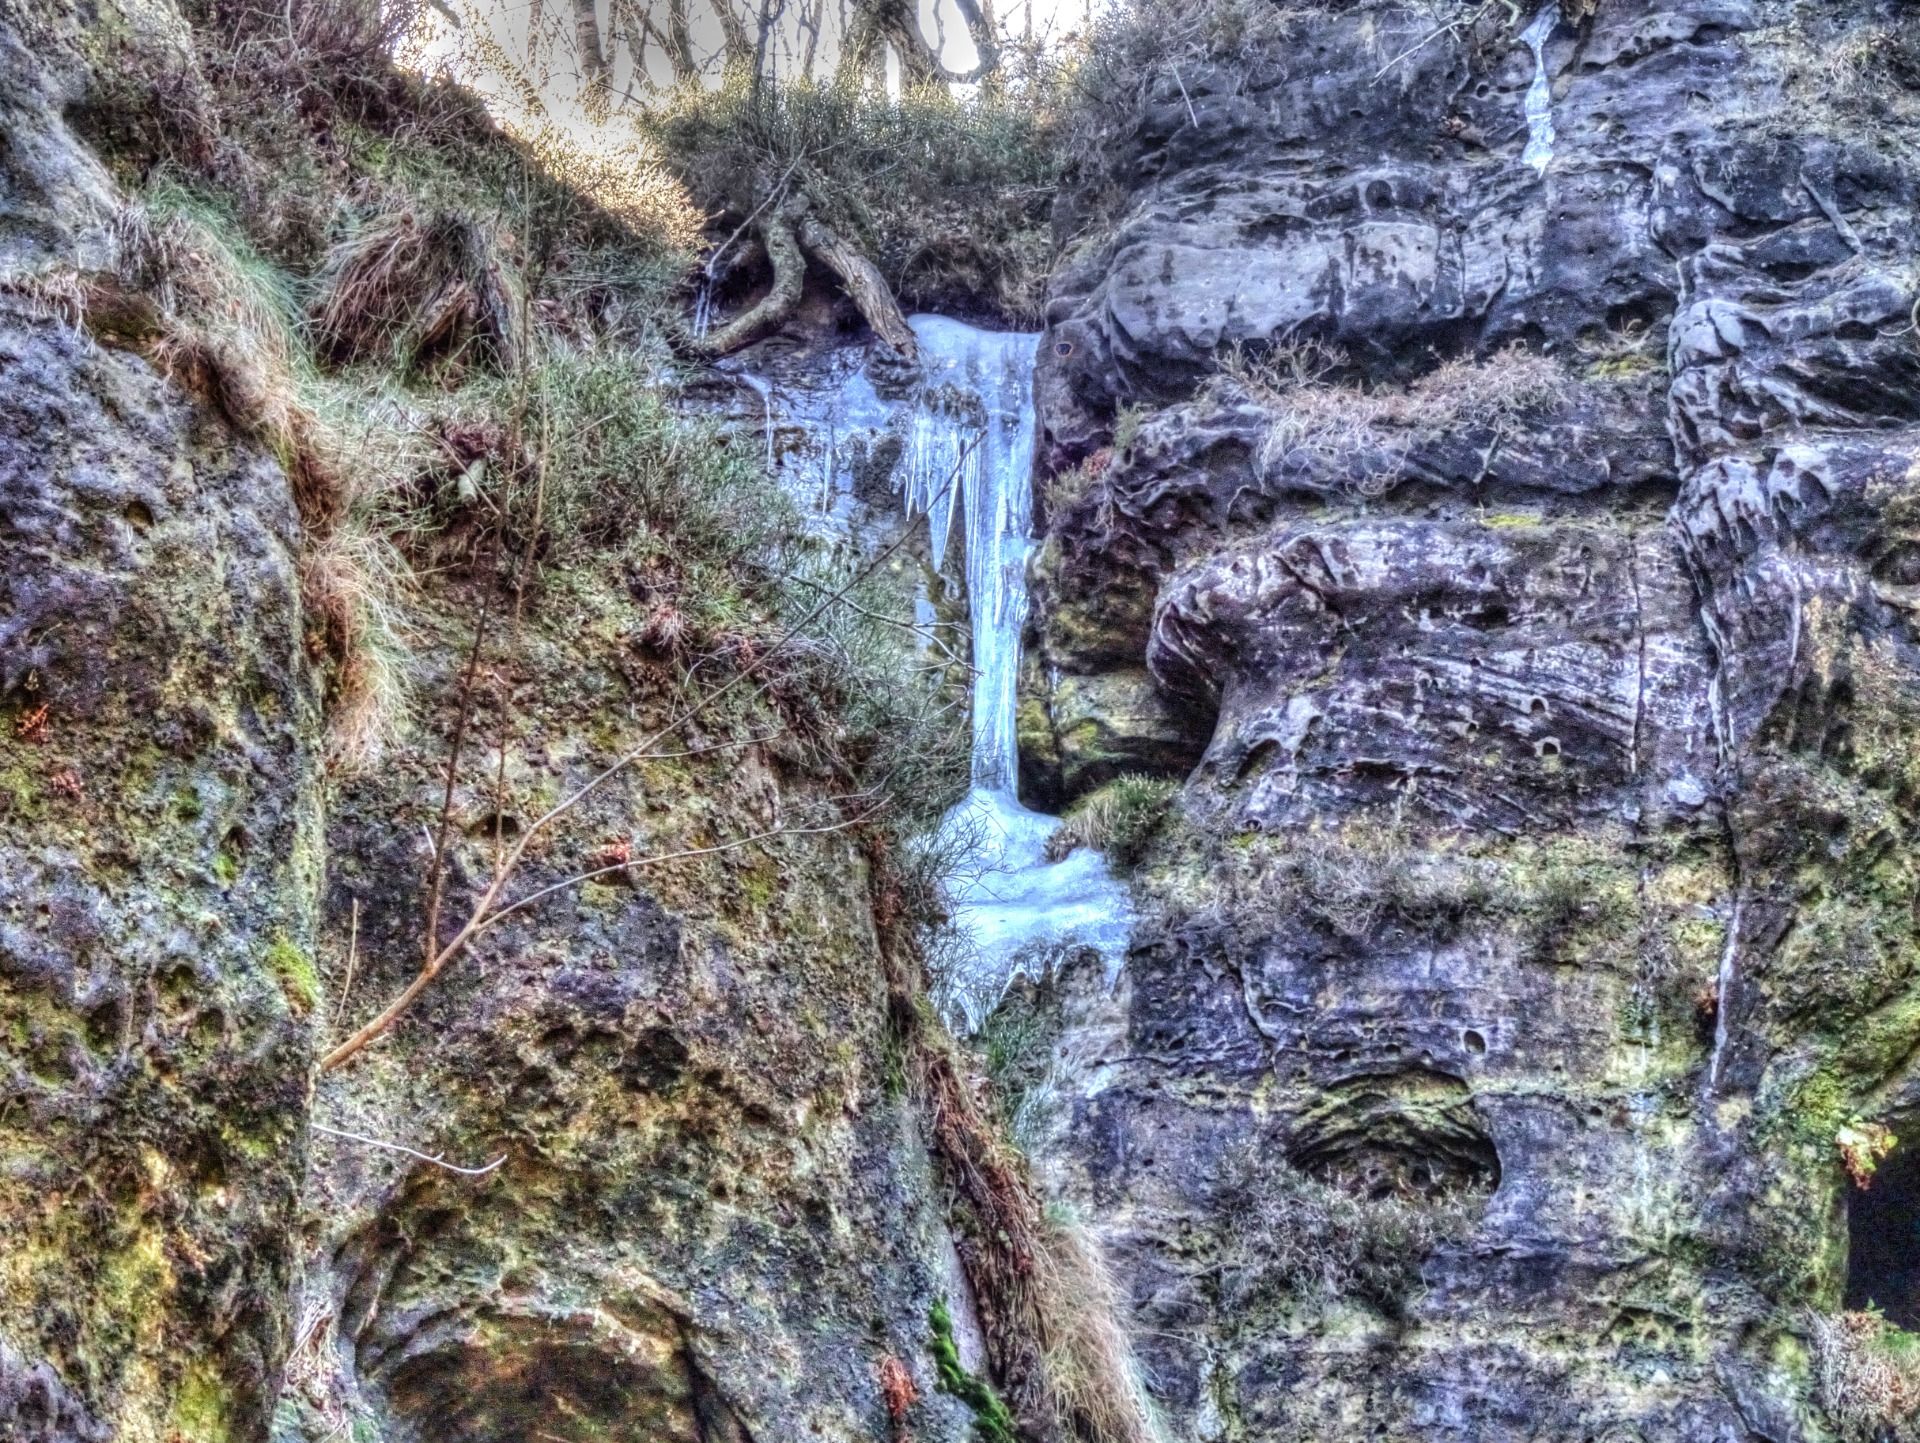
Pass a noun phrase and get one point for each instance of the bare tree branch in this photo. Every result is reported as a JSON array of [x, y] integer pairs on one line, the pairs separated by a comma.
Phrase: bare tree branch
[[489, 908]]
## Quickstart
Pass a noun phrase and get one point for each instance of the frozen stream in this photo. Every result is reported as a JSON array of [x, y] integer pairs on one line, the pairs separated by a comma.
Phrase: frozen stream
[[1019, 907], [967, 433]]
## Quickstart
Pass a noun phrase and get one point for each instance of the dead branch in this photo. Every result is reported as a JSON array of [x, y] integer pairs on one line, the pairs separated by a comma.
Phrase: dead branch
[[489, 909], [864, 283]]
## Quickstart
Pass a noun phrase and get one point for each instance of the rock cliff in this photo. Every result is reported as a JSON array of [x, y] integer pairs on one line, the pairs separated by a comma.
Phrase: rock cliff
[[1521, 556]]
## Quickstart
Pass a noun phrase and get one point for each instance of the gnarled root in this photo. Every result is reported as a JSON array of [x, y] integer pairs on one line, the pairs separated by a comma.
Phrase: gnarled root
[[785, 233], [789, 275]]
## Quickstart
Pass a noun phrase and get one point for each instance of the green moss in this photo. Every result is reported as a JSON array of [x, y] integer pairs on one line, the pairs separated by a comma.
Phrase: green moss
[[992, 1420], [21, 796], [1625, 366], [200, 1412], [293, 969]]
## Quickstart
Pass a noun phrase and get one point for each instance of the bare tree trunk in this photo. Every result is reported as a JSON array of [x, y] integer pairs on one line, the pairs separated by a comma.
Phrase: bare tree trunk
[[864, 283], [678, 43], [733, 34], [897, 24], [985, 30], [812, 15], [593, 54]]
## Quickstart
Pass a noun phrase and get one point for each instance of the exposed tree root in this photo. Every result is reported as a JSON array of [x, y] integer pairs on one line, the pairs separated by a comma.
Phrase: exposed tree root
[[789, 276], [786, 233], [863, 281]]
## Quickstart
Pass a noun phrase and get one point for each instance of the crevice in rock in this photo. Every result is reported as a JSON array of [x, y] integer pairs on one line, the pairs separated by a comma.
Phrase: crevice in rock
[[1883, 1234]]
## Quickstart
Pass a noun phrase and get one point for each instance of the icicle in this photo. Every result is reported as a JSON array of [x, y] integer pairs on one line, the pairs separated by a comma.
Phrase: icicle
[[1539, 151]]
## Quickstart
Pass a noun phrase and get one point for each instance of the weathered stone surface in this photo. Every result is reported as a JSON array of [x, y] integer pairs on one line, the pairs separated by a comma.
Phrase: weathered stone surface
[[158, 842], [1541, 906], [716, 1217]]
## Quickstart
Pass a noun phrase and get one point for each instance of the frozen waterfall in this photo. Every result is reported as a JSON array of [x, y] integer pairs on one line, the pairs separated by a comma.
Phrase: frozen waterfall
[[1539, 102], [1019, 907]]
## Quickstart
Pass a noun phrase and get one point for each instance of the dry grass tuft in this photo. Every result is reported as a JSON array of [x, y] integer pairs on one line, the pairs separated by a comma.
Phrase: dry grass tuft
[[1316, 421], [1119, 819], [629, 179], [1867, 1373], [1093, 1379], [1050, 1309], [354, 586], [405, 293], [1287, 1235], [224, 324]]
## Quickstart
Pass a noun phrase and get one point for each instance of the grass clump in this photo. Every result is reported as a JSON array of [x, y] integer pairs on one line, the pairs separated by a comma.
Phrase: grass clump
[[948, 196], [1867, 1375], [208, 308], [1121, 819]]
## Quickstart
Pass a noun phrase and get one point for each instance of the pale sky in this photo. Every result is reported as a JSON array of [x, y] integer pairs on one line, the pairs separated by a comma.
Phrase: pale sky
[[487, 30]]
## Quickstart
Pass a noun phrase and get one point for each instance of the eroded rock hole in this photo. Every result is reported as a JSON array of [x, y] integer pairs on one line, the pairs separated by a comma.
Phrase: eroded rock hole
[[1412, 1134], [1883, 1233], [1260, 756]]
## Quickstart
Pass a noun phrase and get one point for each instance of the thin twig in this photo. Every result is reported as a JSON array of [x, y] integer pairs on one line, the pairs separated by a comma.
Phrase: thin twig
[[924, 629], [486, 910], [1466, 21], [638, 862], [439, 1162], [1194, 119], [353, 958], [437, 887]]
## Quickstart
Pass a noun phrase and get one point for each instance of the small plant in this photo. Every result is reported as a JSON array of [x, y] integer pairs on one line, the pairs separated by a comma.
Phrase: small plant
[[1121, 819], [1862, 1146], [1126, 426]]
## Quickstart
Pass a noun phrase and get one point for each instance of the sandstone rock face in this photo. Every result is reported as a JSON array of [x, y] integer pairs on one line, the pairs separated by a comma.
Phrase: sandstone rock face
[[716, 1217], [1542, 905], [159, 862]]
